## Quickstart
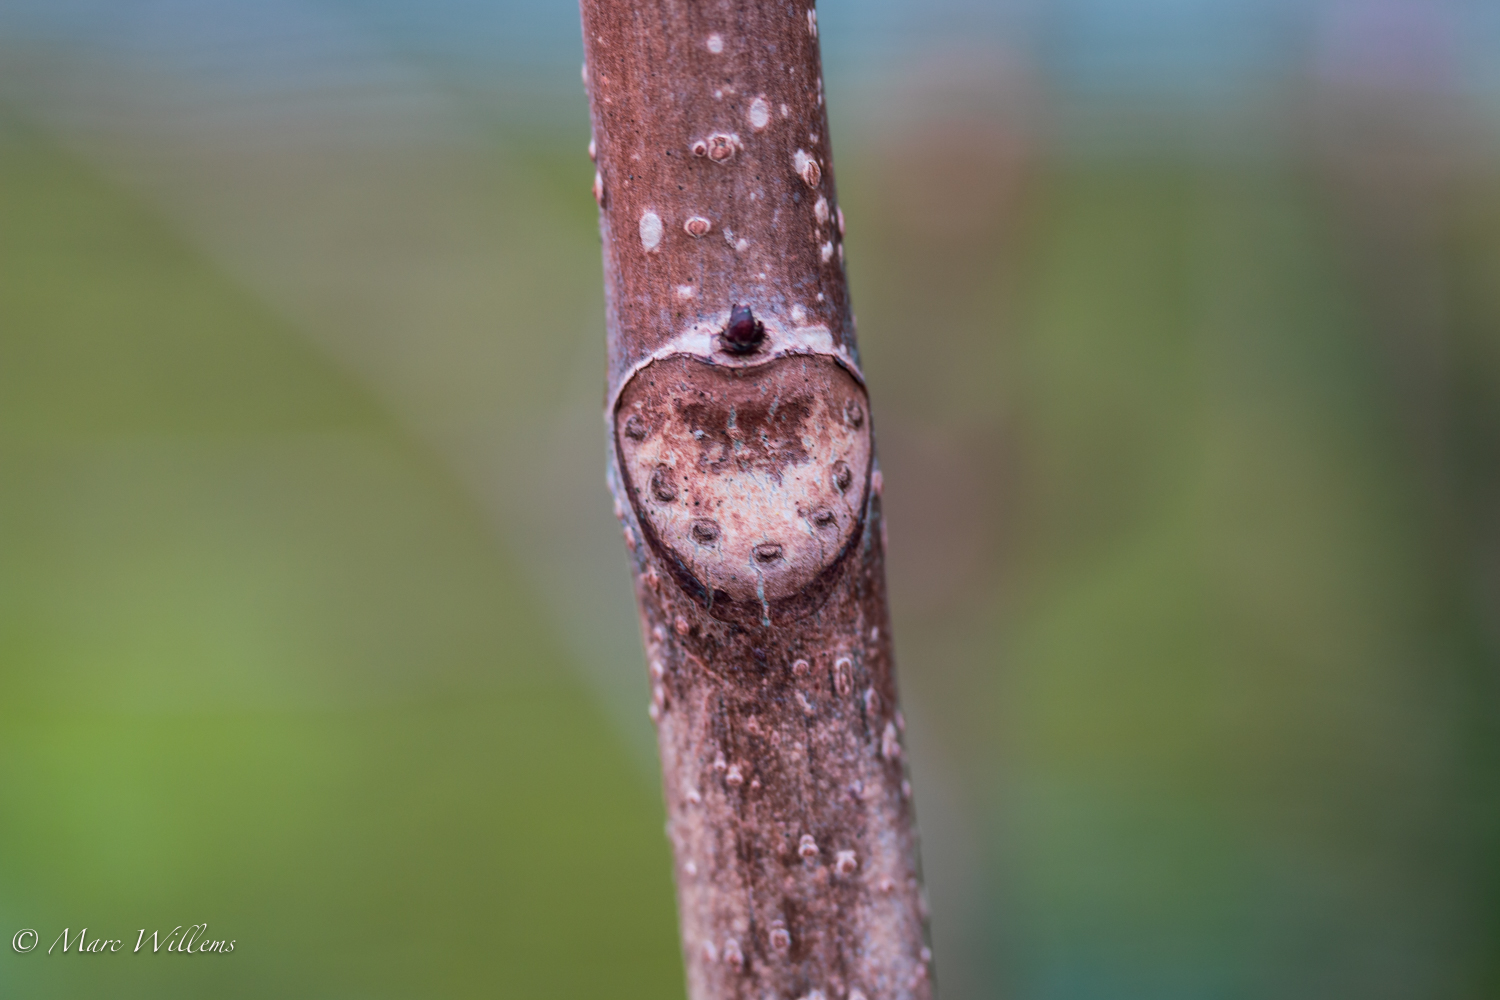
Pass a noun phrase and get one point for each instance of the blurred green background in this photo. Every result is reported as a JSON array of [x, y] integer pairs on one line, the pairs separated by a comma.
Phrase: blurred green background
[[1182, 321]]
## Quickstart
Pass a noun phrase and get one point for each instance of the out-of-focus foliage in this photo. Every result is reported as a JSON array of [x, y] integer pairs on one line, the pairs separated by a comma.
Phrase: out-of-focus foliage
[[313, 617], [264, 667]]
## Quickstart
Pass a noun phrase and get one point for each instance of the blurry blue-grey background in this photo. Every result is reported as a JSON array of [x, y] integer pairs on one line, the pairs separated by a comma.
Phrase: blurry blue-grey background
[[1182, 323]]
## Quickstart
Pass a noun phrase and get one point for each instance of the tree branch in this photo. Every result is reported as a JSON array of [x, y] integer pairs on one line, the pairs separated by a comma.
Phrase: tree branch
[[743, 468]]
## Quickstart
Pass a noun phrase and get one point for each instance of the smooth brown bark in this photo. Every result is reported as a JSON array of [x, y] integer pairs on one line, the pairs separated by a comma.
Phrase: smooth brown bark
[[743, 467]]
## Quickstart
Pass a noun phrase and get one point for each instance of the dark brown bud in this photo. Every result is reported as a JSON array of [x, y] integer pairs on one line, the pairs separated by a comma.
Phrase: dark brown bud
[[745, 333]]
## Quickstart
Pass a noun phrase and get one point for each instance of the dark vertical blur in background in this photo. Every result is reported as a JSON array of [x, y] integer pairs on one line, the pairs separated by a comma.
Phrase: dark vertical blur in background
[[1182, 320]]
